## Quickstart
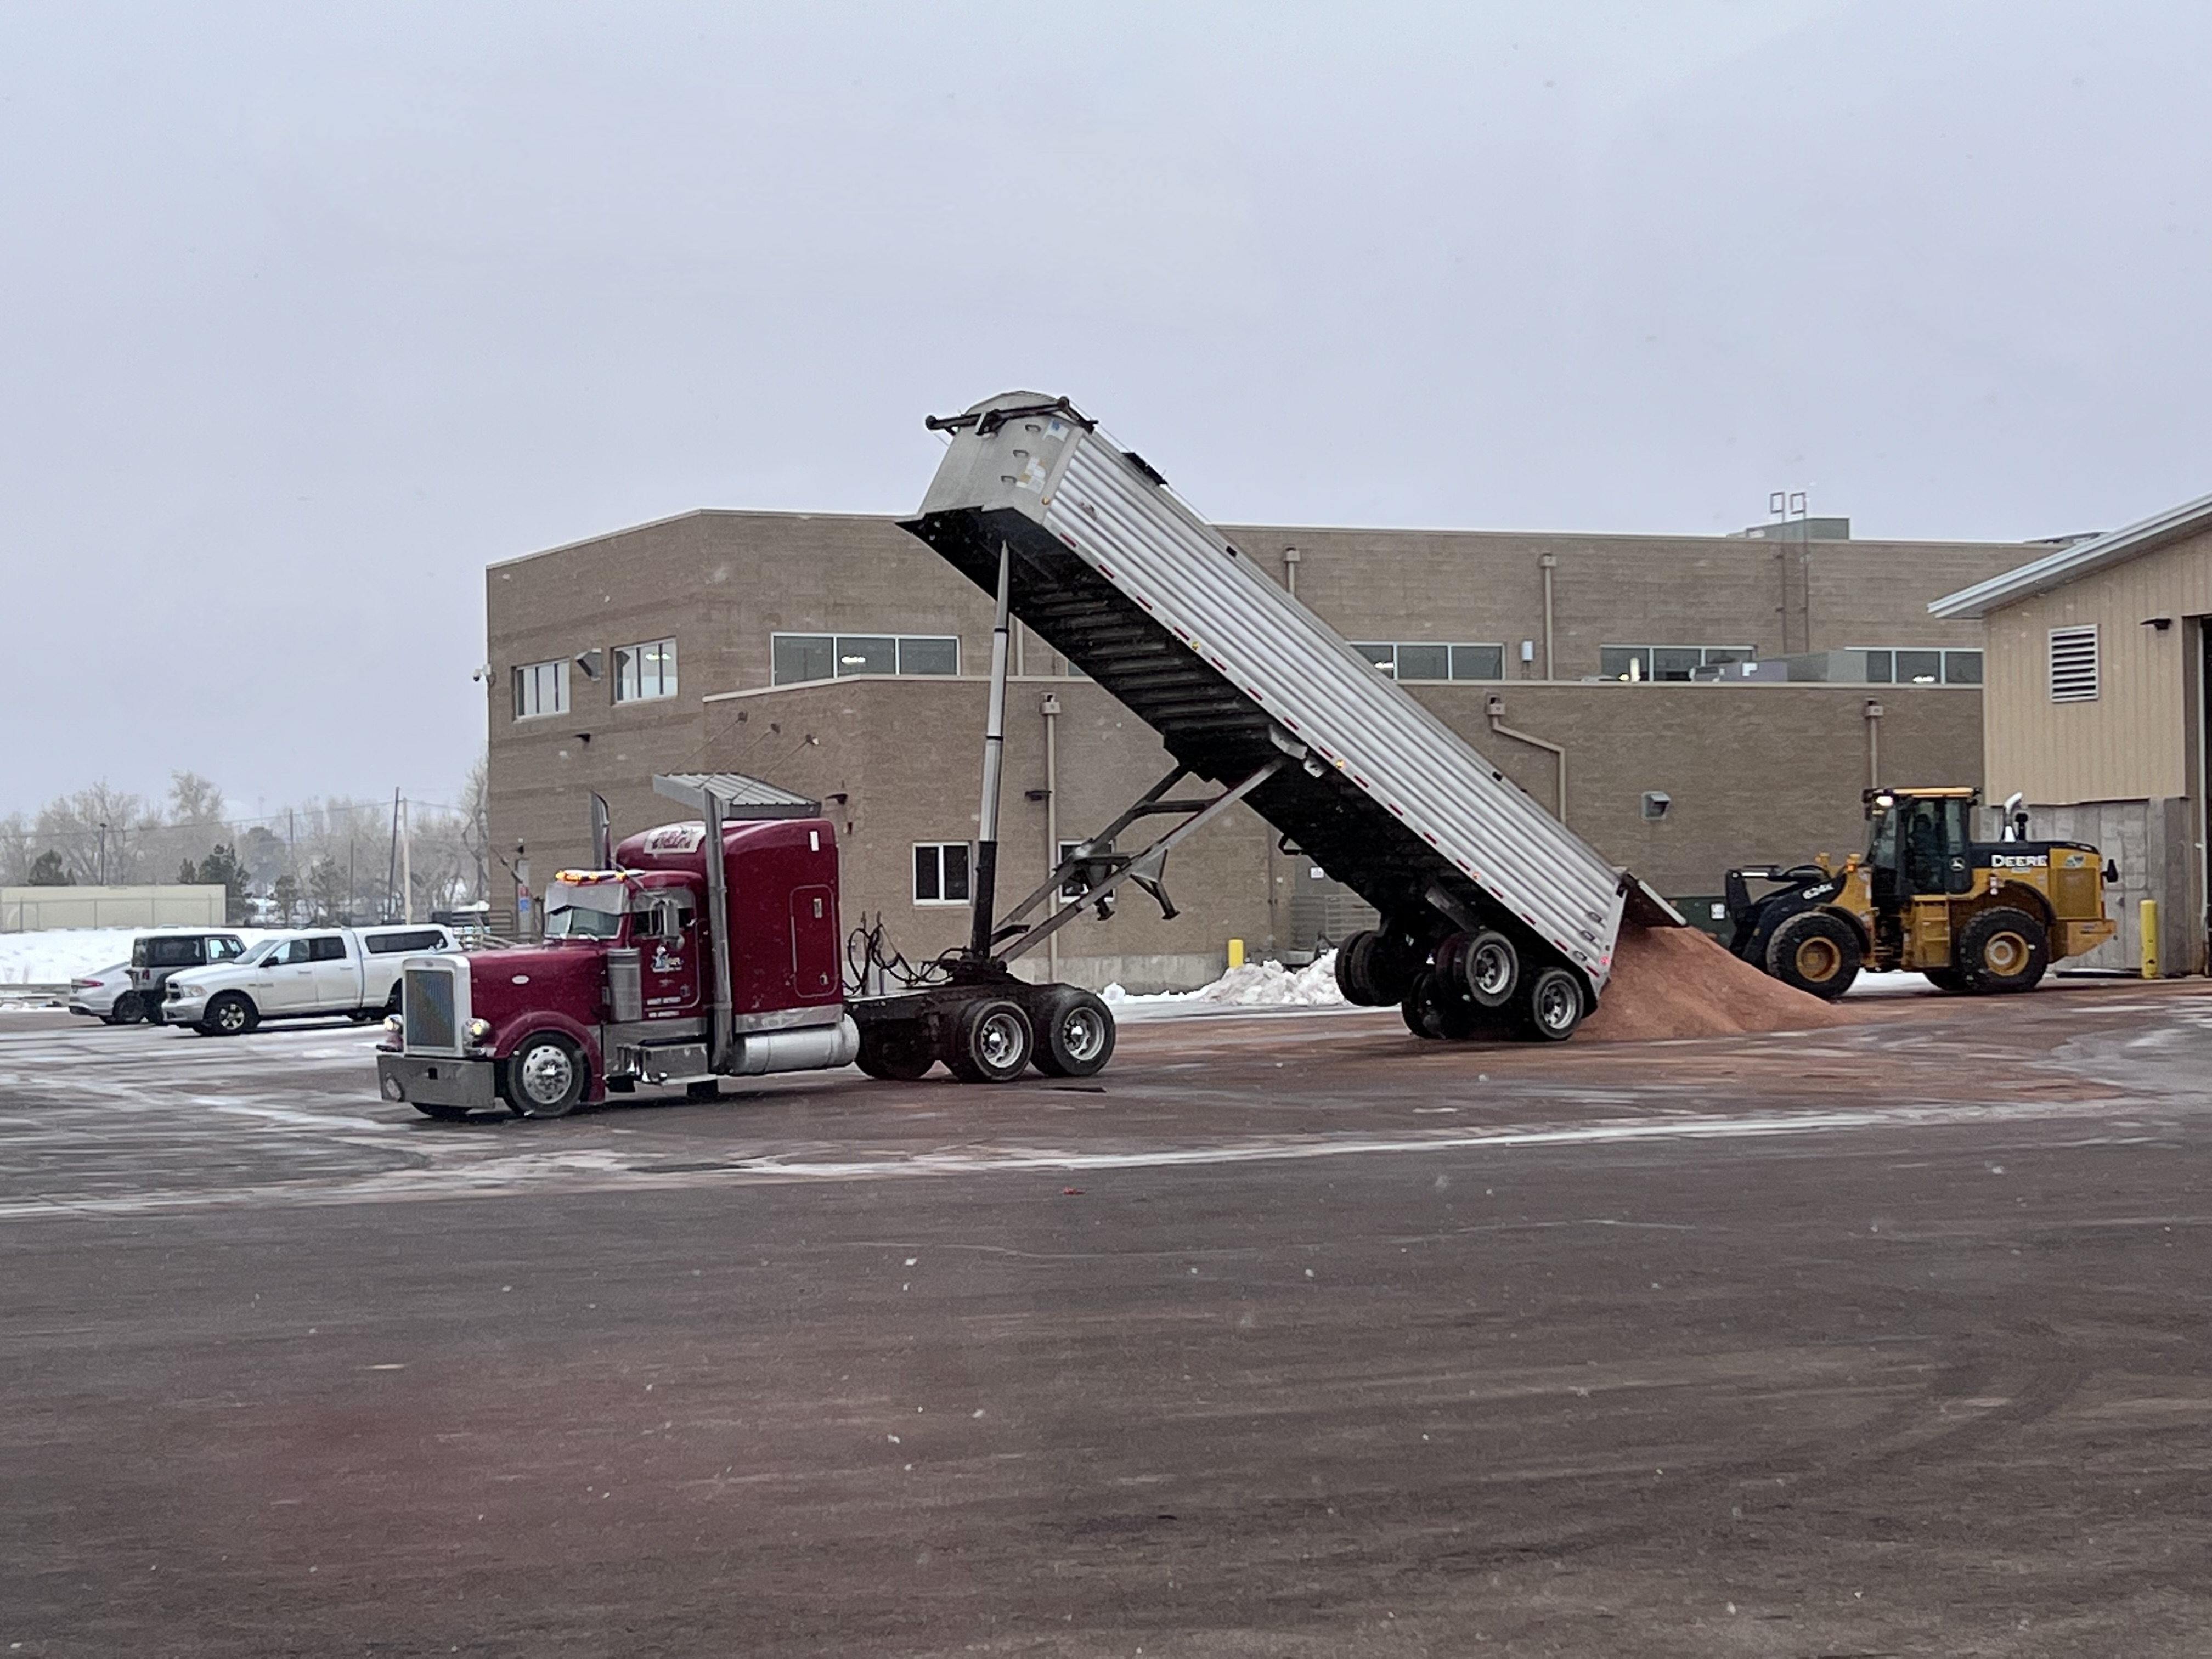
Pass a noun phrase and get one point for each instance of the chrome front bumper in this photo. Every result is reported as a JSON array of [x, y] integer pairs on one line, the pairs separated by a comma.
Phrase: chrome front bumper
[[438, 1081]]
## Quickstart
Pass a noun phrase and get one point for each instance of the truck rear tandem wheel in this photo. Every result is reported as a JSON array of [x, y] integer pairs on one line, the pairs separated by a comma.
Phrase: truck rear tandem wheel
[[990, 1029], [1475, 984]]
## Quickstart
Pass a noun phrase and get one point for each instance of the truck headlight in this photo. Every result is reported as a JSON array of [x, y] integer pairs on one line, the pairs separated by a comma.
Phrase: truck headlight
[[479, 1031], [395, 1028]]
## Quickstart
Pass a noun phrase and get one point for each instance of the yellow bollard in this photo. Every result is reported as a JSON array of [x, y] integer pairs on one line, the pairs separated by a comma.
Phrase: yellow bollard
[[2147, 919], [1235, 953]]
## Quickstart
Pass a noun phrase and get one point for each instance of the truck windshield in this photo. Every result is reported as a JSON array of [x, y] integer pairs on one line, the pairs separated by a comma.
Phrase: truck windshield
[[595, 911]]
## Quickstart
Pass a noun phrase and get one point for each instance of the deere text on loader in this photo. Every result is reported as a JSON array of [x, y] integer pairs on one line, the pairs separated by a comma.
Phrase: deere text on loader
[[1925, 897]]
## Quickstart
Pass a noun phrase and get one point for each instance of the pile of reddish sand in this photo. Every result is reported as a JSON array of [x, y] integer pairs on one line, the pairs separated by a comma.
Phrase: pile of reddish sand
[[1679, 982]]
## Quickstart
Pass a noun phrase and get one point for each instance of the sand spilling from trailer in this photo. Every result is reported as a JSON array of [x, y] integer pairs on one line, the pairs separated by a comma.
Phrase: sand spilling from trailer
[[1678, 982]]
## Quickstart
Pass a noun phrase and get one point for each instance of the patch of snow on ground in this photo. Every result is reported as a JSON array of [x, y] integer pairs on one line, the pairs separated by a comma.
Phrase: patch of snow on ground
[[1256, 985]]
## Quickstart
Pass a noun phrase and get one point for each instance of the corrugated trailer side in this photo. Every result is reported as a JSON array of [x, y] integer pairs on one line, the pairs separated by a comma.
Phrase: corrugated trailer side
[[1121, 576]]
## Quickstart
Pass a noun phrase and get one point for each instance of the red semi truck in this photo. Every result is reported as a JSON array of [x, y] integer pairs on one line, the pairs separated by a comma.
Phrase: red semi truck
[[670, 966]]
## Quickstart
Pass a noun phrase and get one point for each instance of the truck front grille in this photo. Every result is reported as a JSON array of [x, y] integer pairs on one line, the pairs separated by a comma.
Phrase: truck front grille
[[426, 1005]]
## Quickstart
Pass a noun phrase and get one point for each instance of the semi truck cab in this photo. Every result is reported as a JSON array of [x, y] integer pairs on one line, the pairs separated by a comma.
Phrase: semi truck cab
[[636, 963]]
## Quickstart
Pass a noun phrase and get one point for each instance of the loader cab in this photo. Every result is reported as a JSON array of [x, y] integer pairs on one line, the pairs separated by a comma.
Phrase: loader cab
[[1920, 844]]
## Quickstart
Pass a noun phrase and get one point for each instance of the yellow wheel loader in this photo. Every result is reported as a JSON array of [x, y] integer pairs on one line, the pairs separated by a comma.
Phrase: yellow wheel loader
[[1925, 897]]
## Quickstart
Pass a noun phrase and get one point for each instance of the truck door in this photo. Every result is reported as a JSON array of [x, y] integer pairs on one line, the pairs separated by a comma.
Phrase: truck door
[[666, 931], [288, 979], [814, 969], [336, 974]]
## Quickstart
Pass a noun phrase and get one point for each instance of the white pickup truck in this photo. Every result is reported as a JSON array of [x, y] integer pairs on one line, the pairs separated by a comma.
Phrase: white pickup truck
[[353, 971]]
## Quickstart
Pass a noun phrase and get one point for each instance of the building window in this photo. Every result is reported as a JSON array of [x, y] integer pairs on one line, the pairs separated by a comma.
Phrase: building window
[[2074, 664], [540, 688], [1419, 660], [1922, 666], [940, 872], [796, 658], [643, 671], [1667, 662]]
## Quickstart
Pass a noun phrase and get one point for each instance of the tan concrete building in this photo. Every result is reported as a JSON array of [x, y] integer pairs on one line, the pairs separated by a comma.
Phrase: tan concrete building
[[836, 655], [2096, 711]]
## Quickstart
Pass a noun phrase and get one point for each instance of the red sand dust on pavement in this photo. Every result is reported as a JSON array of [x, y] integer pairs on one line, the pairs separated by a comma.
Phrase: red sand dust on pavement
[[1679, 982]]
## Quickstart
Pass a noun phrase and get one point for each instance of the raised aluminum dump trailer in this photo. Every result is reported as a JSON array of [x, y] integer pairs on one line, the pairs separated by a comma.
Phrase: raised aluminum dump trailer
[[1495, 913]]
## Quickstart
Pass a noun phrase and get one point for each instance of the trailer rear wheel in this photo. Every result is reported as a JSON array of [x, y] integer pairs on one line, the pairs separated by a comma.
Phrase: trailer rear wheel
[[1816, 952], [1551, 1006], [894, 1053], [1355, 971], [1420, 1009], [1076, 1036], [991, 1041], [1487, 965]]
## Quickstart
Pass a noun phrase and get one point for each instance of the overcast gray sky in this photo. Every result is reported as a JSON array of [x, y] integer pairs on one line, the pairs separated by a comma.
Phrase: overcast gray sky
[[311, 312]]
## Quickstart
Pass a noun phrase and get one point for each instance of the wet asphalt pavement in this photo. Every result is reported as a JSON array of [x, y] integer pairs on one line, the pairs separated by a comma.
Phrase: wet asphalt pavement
[[1291, 1336]]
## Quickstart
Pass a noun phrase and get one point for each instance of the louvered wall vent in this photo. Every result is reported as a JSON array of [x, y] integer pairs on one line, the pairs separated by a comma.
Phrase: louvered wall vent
[[2074, 664]]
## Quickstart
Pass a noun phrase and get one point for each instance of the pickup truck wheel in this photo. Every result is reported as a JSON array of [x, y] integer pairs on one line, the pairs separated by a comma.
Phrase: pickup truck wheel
[[1076, 1035], [991, 1041], [1551, 1007], [231, 1014], [545, 1076], [391, 1002]]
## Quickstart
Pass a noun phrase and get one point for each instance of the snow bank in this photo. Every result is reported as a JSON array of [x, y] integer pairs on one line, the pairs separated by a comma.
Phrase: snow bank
[[1256, 985], [53, 956]]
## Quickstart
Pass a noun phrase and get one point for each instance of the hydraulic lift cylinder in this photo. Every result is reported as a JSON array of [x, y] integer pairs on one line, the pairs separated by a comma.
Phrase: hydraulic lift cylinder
[[994, 750]]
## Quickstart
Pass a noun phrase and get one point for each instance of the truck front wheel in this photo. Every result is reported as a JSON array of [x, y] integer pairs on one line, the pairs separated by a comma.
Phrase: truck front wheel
[[546, 1075]]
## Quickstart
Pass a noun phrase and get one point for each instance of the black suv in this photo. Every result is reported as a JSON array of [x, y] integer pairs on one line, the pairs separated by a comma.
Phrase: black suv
[[155, 956]]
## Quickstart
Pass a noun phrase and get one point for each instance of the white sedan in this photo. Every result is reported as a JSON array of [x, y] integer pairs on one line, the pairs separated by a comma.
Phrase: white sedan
[[106, 996]]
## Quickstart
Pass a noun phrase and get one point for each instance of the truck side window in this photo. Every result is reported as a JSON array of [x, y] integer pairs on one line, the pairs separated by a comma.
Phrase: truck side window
[[328, 948], [225, 950]]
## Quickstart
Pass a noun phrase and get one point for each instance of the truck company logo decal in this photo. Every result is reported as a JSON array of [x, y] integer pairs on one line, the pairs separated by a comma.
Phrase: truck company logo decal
[[2015, 861], [676, 838]]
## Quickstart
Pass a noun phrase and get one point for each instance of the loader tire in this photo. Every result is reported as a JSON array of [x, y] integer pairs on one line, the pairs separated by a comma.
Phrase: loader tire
[[1816, 952], [2003, 949], [1949, 981]]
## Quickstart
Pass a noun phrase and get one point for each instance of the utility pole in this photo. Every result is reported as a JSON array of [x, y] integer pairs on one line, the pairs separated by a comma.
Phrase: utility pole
[[103, 853], [392, 863], [406, 865]]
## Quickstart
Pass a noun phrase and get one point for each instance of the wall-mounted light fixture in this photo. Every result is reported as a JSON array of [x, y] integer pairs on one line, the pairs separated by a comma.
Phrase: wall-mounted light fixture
[[1656, 802], [2162, 624]]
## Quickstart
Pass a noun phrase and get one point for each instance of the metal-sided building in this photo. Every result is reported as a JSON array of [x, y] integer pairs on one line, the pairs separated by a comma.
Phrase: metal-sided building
[[836, 655], [2098, 659]]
